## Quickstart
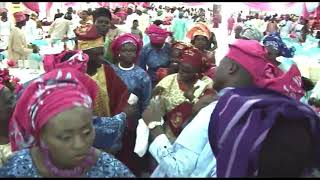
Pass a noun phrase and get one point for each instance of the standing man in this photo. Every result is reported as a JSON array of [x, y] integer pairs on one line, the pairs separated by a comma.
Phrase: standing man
[[17, 46], [31, 28], [59, 14], [5, 26], [179, 27], [59, 28]]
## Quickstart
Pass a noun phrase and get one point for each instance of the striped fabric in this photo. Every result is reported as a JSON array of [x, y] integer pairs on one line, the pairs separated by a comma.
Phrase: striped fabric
[[240, 123]]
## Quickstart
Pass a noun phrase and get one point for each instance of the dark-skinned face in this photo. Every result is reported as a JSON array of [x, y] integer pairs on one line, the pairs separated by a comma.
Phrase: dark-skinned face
[[127, 53], [69, 136], [135, 24], [187, 73], [95, 58], [221, 74], [175, 54], [201, 42], [103, 25], [83, 15]]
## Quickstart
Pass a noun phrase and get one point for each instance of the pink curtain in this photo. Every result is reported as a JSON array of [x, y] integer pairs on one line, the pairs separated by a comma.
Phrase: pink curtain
[[48, 6], [266, 6], [305, 13], [33, 6]]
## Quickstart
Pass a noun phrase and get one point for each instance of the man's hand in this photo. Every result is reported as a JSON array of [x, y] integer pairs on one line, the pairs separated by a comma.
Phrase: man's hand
[[155, 111]]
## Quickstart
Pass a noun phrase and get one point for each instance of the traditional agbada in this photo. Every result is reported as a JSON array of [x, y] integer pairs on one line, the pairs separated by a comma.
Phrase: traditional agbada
[[113, 93], [250, 126], [190, 154], [288, 83], [17, 46], [44, 103], [178, 108]]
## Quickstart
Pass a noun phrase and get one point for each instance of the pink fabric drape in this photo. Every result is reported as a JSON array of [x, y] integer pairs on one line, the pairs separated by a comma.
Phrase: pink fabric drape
[[305, 13], [48, 6], [266, 6], [33, 6]]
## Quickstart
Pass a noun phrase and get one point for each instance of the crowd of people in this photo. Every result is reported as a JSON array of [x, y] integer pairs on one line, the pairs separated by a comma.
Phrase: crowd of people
[[151, 100]]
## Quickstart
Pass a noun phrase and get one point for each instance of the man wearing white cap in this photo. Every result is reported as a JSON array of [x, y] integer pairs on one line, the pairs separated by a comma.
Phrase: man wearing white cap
[[132, 7]]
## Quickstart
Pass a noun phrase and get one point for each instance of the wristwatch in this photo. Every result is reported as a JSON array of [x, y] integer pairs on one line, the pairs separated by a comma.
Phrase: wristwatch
[[154, 124]]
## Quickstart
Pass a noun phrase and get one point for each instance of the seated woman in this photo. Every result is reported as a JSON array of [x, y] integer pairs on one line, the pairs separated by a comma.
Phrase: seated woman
[[125, 49], [180, 92], [201, 37], [53, 119], [8, 85], [255, 132], [155, 54], [109, 130], [113, 94]]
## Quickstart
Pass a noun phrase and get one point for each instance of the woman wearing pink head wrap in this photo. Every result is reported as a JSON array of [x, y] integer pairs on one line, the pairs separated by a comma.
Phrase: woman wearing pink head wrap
[[125, 49], [52, 120], [74, 59], [157, 35], [156, 54], [119, 41]]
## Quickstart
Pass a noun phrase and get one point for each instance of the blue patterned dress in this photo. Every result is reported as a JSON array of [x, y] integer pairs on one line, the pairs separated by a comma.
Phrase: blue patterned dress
[[138, 83], [109, 131], [154, 59], [22, 165]]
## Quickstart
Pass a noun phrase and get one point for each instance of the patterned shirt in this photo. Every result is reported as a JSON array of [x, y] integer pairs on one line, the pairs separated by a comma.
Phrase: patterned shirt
[[190, 155], [138, 83], [154, 59], [22, 165]]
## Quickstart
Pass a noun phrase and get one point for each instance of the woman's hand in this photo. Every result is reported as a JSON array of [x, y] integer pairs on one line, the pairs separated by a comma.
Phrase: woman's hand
[[157, 91], [130, 110], [189, 93]]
